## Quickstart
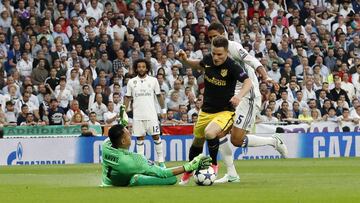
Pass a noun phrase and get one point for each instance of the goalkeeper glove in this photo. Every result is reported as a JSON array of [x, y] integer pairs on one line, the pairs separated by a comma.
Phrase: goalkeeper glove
[[198, 163], [123, 117]]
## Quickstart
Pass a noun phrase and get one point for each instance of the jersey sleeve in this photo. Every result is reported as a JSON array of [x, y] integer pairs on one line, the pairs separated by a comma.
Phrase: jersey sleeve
[[239, 73], [129, 88], [149, 168], [239, 53], [157, 87]]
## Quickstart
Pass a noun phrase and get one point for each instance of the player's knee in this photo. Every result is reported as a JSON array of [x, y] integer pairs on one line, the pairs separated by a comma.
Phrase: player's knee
[[210, 134], [198, 142], [156, 137], [236, 141], [173, 180], [141, 138]]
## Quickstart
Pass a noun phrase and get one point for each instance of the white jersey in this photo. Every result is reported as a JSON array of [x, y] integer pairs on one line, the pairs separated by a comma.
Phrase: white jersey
[[249, 62], [143, 91]]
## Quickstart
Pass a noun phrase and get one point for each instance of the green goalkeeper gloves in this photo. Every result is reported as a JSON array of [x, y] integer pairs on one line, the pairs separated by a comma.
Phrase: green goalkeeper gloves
[[123, 117], [198, 163]]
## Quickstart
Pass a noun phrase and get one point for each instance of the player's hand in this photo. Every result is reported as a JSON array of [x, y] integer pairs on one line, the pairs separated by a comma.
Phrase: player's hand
[[235, 101], [199, 162], [181, 54], [269, 81]]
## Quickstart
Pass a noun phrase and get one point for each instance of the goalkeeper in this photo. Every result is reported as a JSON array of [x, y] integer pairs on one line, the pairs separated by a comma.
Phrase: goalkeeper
[[120, 167]]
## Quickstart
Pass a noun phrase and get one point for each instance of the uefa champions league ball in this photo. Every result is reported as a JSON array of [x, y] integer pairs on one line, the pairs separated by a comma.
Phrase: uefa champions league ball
[[205, 177]]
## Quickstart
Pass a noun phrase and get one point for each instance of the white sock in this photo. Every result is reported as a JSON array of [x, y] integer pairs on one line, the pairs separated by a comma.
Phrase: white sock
[[256, 141], [159, 150], [140, 147], [227, 156]]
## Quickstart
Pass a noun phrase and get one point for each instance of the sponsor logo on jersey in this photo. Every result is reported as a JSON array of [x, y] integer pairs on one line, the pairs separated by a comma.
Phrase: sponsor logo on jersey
[[223, 72]]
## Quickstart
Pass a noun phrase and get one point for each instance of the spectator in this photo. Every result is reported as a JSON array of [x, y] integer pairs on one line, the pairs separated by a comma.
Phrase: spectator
[[63, 93], [337, 91], [77, 119], [111, 117], [93, 119], [85, 131], [99, 108], [56, 115], [39, 74]]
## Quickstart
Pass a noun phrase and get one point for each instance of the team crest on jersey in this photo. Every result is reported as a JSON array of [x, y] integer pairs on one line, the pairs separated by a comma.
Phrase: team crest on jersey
[[135, 82], [223, 72]]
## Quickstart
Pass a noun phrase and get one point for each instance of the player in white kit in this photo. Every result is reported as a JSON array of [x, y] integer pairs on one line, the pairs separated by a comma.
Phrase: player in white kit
[[246, 111], [142, 90]]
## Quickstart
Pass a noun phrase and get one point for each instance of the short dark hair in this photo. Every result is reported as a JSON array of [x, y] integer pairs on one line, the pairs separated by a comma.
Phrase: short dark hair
[[217, 26], [220, 41], [115, 133]]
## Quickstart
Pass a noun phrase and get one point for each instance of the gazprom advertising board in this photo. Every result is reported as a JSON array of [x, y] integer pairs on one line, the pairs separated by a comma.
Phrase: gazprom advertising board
[[72, 150]]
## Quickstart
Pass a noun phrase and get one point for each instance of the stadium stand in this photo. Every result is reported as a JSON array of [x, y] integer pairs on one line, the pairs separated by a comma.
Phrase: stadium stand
[[62, 62]]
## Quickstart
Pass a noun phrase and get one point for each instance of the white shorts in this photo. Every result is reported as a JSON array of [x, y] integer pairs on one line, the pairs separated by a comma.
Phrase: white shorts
[[143, 127], [246, 112]]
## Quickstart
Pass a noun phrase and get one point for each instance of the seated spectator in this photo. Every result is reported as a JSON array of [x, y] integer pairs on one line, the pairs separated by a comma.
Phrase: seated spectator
[[10, 115], [315, 115], [268, 117], [111, 117], [331, 115], [174, 102], [184, 118], [56, 115], [99, 108], [345, 117], [305, 116], [77, 119], [22, 115], [93, 119], [194, 118], [85, 131], [63, 94], [29, 120], [74, 108], [170, 118]]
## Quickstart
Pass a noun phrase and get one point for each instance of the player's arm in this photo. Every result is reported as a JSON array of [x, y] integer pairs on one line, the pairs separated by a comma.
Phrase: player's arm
[[199, 162], [160, 97], [246, 87], [194, 64], [250, 60], [128, 96]]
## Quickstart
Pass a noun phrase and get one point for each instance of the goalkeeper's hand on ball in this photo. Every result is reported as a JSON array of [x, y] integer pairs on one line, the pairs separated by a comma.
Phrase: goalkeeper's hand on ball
[[198, 163], [123, 117]]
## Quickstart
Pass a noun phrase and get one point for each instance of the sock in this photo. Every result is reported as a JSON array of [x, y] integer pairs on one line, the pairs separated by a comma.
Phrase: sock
[[227, 156], [213, 146], [159, 150], [140, 147], [256, 141], [194, 151]]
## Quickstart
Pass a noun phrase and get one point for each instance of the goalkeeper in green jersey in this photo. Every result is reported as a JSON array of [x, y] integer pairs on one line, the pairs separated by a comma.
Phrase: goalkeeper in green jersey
[[120, 167]]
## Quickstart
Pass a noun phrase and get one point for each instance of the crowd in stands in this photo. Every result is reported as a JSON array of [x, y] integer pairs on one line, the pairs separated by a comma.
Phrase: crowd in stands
[[68, 62]]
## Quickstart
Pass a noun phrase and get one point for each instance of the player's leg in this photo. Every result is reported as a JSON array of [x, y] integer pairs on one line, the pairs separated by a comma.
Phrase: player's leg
[[142, 180], [198, 142], [244, 118], [139, 133], [227, 156], [221, 123], [153, 128]]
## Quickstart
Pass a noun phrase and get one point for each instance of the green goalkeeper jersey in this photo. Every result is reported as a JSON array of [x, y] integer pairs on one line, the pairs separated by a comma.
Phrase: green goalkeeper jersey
[[120, 165]]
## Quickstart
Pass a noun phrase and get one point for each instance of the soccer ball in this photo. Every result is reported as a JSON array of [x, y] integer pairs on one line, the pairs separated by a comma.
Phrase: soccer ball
[[205, 177]]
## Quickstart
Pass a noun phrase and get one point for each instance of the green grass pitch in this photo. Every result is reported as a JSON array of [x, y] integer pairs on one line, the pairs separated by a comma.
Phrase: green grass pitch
[[292, 180]]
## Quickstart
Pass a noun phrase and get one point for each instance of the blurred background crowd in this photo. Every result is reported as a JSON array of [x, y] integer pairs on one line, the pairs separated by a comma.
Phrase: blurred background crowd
[[67, 62]]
